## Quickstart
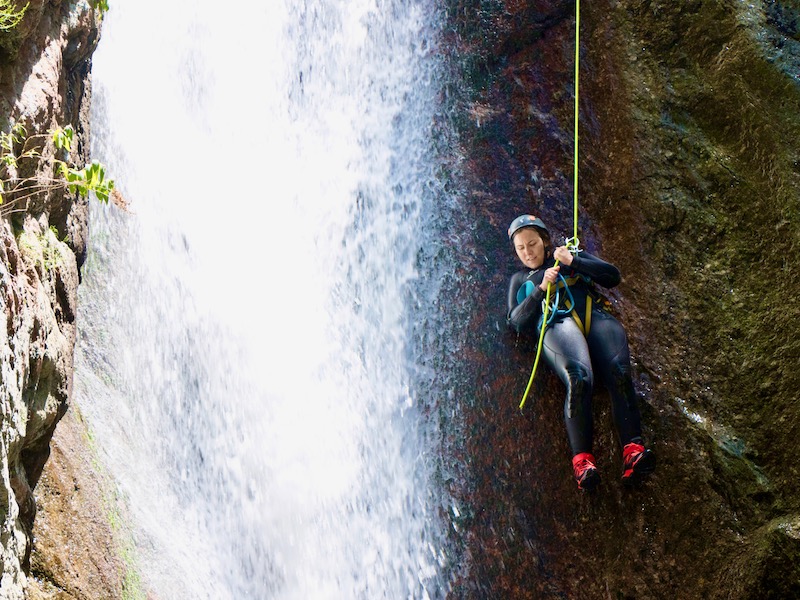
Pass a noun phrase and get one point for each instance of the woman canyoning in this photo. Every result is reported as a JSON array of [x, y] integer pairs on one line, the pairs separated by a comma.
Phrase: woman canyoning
[[582, 339]]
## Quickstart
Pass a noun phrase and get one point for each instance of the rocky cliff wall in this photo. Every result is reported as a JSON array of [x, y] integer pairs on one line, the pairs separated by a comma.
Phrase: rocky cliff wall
[[689, 183], [44, 85]]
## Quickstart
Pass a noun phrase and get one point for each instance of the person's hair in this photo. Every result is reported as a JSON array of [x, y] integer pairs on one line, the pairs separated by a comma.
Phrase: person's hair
[[546, 239]]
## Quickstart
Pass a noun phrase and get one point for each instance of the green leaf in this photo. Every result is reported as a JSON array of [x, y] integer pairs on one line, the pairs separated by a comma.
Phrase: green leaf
[[101, 5], [62, 138], [72, 175], [18, 132]]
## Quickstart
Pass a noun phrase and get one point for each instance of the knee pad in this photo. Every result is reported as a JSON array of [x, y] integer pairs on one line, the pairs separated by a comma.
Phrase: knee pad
[[620, 372], [621, 375]]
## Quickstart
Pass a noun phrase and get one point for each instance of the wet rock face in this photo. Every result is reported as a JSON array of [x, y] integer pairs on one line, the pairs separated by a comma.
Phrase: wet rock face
[[76, 554], [688, 182], [43, 85]]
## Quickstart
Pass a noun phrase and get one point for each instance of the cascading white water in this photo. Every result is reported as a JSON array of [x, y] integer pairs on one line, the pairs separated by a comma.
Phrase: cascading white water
[[246, 356]]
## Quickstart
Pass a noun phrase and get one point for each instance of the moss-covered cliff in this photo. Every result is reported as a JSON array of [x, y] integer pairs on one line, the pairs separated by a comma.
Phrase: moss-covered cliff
[[689, 183]]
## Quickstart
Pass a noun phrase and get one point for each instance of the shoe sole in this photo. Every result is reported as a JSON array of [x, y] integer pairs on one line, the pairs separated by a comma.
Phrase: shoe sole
[[590, 481], [641, 468]]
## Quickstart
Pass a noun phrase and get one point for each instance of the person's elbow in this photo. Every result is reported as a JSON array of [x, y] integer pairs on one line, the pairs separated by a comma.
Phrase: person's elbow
[[610, 279], [513, 323], [615, 278]]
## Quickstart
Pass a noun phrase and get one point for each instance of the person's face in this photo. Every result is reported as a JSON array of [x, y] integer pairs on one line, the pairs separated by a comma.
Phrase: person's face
[[530, 247]]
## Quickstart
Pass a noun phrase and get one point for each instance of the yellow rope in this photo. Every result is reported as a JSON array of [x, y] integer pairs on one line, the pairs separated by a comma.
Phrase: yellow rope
[[539, 349], [573, 242], [577, 80]]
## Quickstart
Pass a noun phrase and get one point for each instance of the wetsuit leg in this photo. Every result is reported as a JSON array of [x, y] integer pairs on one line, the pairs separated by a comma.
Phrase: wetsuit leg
[[566, 352], [608, 345]]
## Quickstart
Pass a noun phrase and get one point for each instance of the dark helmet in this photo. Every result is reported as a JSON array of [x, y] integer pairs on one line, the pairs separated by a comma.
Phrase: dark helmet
[[526, 221]]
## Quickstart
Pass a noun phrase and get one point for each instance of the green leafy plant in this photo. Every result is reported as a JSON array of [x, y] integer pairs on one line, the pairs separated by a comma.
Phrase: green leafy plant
[[10, 16], [90, 178], [16, 136], [101, 5], [62, 138]]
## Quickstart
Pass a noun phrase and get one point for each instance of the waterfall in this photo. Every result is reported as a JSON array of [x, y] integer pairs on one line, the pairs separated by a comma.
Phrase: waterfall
[[250, 358]]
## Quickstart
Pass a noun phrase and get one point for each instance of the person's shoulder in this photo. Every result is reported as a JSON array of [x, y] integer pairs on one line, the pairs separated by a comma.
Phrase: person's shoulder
[[520, 276], [517, 280]]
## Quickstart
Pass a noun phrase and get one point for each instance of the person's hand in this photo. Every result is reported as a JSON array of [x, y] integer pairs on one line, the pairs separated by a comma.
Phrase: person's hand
[[550, 276], [562, 255]]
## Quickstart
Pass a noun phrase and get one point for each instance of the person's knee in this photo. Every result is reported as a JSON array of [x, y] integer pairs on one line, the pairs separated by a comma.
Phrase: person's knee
[[620, 374], [580, 376], [580, 382]]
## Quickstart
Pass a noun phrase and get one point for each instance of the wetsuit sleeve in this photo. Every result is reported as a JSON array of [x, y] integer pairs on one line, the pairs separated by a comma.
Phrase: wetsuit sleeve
[[595, 269], [525, 314]]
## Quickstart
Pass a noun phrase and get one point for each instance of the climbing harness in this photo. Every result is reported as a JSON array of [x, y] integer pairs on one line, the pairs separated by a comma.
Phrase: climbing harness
[[569, 302], [573, 243]]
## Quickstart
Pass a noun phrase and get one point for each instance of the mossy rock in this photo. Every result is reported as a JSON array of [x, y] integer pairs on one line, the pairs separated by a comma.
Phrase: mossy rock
[[768, 564]]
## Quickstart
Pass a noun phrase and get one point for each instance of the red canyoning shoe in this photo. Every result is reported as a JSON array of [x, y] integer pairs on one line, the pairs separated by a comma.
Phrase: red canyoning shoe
[[585, 471], [637, 463]]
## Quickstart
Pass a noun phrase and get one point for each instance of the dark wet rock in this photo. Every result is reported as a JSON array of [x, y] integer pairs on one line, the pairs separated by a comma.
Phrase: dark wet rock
[[689, 183]]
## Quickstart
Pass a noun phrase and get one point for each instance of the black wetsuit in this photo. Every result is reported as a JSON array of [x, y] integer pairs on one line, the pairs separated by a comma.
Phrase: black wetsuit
[[571, 354]]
